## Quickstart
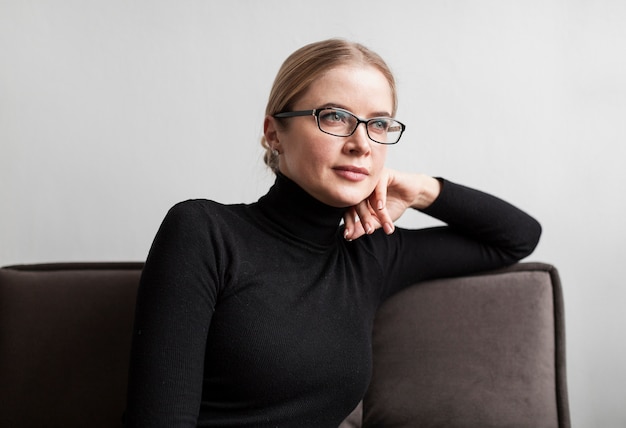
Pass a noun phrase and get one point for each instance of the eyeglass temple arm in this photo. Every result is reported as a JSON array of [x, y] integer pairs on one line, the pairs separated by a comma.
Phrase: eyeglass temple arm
[[296, 113]]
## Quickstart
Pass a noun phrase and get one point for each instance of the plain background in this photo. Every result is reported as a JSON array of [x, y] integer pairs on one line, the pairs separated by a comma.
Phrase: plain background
[[112, 111]]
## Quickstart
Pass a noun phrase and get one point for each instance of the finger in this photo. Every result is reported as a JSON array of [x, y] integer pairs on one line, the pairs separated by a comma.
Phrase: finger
[[384, 218], [369, 220], [357, 232], [350, 223], [353, 228], [378, 198], [375, 219]]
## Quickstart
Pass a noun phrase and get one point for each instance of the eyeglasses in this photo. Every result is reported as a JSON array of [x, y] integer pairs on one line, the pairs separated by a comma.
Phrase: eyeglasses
[[342, 123]]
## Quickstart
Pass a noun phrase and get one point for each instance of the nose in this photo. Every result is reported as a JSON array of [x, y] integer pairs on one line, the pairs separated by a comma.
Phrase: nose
[[358, 142]]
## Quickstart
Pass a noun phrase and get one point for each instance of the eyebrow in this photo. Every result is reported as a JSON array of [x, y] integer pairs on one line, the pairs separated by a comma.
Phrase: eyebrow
[[336, 105]]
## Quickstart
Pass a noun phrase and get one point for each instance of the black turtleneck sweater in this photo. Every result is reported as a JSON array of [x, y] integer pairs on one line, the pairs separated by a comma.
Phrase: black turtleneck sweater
[[260, 315]]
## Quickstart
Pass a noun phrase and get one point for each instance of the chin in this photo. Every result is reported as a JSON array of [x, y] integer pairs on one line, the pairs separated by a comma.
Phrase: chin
[[340, 195], [347, 199]]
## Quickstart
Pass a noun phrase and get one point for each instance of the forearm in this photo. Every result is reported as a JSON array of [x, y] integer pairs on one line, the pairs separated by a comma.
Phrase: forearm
[[486, 218]]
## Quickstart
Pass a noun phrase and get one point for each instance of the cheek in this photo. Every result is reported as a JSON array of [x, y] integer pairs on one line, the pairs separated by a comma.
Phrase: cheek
[[301, 158], [380, 156], [308, 150]]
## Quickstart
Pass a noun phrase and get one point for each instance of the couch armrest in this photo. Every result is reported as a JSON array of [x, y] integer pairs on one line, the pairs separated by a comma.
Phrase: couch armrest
[[65, 335]]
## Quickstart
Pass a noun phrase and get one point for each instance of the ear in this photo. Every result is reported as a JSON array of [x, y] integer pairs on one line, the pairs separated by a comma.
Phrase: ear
[[270, 130]]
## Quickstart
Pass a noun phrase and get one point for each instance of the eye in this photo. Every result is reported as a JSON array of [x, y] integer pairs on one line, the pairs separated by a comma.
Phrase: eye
[[379, 124], [331, 116]]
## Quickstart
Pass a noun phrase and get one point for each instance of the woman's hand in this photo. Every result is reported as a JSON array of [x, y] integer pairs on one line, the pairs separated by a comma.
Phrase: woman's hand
[[394, 193]]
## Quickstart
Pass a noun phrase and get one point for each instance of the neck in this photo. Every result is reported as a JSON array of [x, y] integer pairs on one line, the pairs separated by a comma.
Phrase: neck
[[300, 214]]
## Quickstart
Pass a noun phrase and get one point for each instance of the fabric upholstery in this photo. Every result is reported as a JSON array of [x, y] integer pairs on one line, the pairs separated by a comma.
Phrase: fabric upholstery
[[354, 419], [65, 333], [479, 351]]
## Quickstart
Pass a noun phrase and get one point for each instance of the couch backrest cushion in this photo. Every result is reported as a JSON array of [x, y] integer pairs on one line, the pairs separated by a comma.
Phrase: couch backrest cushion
[[65, 334], [479, 351]]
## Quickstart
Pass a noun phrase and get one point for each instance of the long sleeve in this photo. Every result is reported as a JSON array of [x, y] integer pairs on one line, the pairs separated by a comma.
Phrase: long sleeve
[[175, 303], [482, 232], [260, 315]]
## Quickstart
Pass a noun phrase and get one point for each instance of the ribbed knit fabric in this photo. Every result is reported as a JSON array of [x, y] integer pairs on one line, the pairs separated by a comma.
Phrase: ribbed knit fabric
[[260, 315]]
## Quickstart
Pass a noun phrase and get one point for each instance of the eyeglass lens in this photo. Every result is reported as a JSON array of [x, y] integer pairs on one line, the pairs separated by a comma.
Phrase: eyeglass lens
[[342, 123]]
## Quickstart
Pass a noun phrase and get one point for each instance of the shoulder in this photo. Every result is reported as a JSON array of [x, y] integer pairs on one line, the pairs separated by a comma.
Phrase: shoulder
[[195, 215], [201, 209]]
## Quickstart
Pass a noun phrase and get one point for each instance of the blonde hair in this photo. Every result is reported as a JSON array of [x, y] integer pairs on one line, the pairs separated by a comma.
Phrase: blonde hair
[[306, 65]]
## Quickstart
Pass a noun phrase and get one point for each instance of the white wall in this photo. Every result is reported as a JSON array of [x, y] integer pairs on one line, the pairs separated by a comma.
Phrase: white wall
[[111, 111]]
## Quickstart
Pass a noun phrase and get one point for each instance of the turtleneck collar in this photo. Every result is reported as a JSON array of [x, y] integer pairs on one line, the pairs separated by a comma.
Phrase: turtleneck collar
[[299, 213]]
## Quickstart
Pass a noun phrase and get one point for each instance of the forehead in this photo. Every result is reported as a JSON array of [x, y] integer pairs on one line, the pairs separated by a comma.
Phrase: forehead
[[362, 89]]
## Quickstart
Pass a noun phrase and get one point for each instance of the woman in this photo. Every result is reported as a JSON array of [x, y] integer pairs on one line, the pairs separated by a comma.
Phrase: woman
[[260, 315]]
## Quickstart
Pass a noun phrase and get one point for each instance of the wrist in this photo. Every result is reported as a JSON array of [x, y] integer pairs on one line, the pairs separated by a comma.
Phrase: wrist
[[429, 190]]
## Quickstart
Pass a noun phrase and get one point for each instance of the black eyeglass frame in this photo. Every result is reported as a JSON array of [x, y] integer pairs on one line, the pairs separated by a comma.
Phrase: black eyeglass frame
[[316, 112]]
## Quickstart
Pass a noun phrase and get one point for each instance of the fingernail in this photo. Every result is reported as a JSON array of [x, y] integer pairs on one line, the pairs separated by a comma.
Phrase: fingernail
[[380, 205], [388, 227], [346, 233], [368, 229]]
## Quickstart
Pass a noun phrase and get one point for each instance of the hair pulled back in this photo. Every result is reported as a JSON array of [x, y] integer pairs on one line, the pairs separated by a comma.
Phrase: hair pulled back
[[306, 65]]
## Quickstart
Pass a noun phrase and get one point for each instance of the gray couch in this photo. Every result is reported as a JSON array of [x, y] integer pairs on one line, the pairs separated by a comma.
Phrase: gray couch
[[479, 351]]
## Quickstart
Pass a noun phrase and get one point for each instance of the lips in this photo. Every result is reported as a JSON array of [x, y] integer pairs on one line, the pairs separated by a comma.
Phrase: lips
[[355, 169], [352, 173]]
